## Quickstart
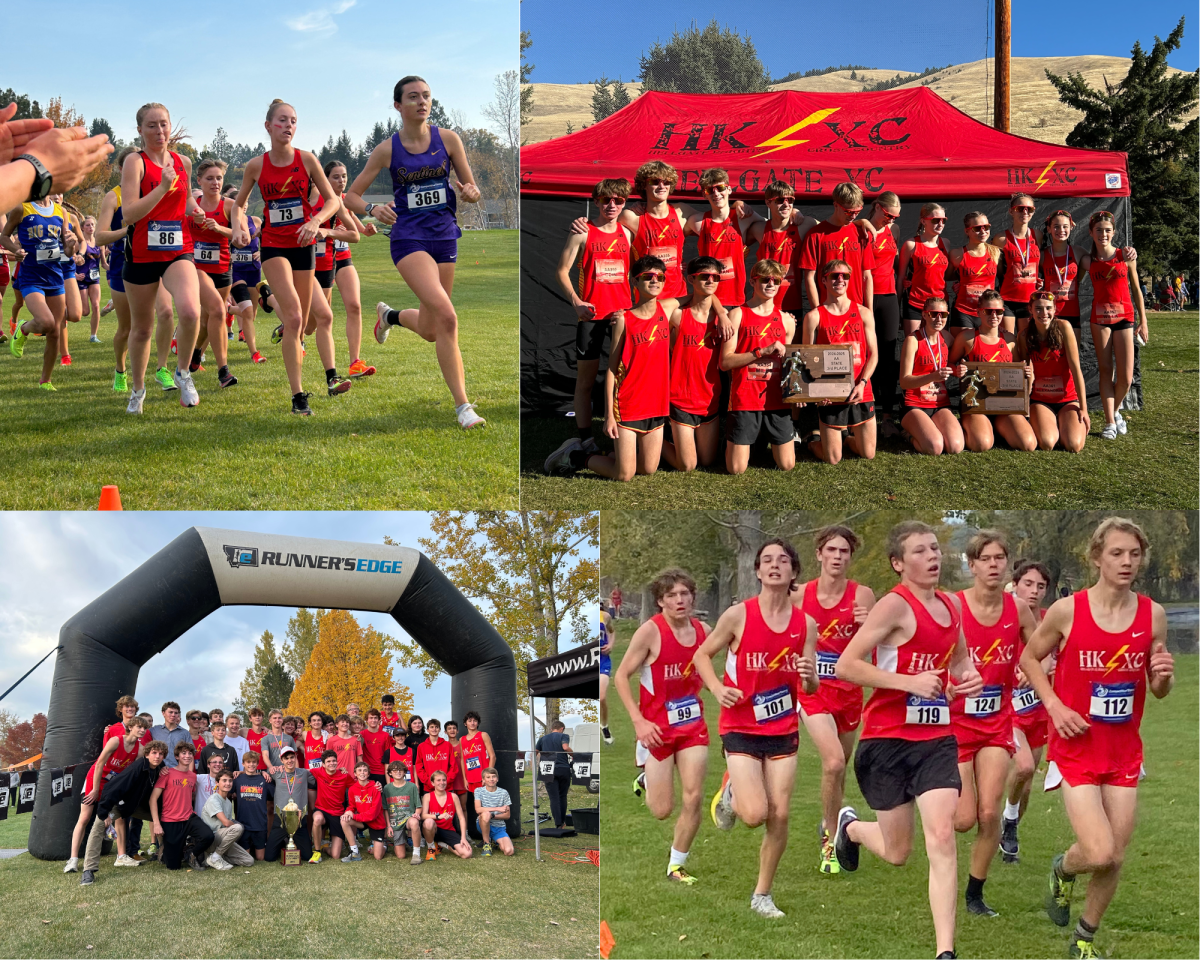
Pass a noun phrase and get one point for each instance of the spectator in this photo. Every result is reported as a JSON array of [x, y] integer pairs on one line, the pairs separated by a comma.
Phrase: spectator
[[224, 854], [171, 733], [66, 154], [179, 831], [557, 747]]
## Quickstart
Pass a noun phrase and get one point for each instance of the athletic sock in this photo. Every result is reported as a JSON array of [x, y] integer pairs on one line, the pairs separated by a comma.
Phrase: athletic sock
[[1061, 873], [677, 859], [1085, 931], [354, 848], [222, 370], [578, 458], [330, 374], [393, 318], [1012, 811], [974, 888], [585, 434], [196, 355]]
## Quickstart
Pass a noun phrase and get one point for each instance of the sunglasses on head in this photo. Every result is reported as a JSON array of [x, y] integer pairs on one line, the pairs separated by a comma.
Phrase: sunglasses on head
[[651, 275], [1041, 295], [707, 277]]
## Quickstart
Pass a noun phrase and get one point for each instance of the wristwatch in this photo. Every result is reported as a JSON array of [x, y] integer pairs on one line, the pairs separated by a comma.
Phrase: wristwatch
[[368, 209], [41, 180]]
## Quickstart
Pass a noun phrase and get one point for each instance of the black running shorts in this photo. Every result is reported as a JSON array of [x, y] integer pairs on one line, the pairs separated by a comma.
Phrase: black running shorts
[[764, 748], [891, 771], [744, 426]]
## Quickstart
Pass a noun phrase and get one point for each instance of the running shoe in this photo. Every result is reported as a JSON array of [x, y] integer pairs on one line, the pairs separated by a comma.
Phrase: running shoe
[[352, 857], [196, 863], [1109, 432], [1058, 896], [829, 863], [257, 357], [241, 336], [676, 873], [558, 464], [416, 857], [125, 860], [136, 399], [107, 309], [360, 369], [48, 386], [487, 850], [431, 853], [1082, 948], [16, 346], [174, 346], [639, 784], [315, 858], [120, 381], [845, 849], [300, 405], [188, 397], [277, 334], [94, 339], [228, 380], [976, 906], [65, 360], [88, 878], [337, 384], [468, 419], [264, 293], [382, 327], [721, 807], [3, 337], [12, 326], [165, 380], [1009, 845], [606, 735], [764, 906], [1122, 426], [72, 865], [229, 336]]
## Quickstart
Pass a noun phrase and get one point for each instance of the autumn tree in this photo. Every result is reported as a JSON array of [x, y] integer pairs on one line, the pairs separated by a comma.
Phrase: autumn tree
[[349, 663], [24, 740], [303, 631], [87, 195]]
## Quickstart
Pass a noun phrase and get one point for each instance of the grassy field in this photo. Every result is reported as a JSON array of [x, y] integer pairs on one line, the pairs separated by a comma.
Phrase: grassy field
[[392, 442], [499, 907], [1154, 466], [883, 911]]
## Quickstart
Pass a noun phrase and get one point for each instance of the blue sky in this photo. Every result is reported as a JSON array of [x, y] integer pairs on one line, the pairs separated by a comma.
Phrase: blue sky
[[572, 44], [57, 563], [217, 64]]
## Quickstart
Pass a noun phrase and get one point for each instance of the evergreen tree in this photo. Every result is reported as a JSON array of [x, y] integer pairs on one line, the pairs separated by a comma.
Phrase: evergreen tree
[[438, 115], [251, 692], [303, 632], [26, 109], [526, 87], [711, 60], [621, 96], [100, 125], [276, 688], [602, 99], [1143, 116], [220, 147]]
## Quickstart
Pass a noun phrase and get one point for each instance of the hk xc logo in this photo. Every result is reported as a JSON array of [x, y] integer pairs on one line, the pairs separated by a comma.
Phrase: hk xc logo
[[241, 556]]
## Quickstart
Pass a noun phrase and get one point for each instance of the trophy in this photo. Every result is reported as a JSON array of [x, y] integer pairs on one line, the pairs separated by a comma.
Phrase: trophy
[[291, 817], [817, 372], [991, 387]]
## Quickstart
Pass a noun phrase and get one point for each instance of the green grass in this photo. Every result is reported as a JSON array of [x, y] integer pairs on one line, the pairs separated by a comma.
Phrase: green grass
[[499, 907], [392, 442], [883, 911], [14, 832], [1155, 465]]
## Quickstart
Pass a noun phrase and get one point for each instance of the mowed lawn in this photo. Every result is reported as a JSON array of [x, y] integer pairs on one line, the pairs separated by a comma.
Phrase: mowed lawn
[[1154, 465], [881, 910], [498, 907], [392, 442]]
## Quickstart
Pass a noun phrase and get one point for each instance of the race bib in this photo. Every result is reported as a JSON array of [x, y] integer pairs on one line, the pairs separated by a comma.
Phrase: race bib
[[1050, 388], [93, 274], [1062, 292], [546, 768], [283, 212], [935, 712], [1109, 311], [1025, 700], [727, 272], [207, 252], [1112, 702], [668, 255], [164, 235], [973, 291], [683, 710], [314, 763], [472, 763], [763, 369], [984, 705], [773, 704], [47, 250], [340, 246], [245, 256], [609, 271], [428, 196], [826, 662], [934, 391]]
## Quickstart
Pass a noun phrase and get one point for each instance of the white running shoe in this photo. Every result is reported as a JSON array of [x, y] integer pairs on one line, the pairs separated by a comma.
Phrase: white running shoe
[[722, 805], [125, 860], [468, 418], [94, 339], [1122, 426], [72, 865], [764, 906], [217, 862], [188, 396], [559, 462], [382, 327], [136, 399], [1109, 432], [590, 446]]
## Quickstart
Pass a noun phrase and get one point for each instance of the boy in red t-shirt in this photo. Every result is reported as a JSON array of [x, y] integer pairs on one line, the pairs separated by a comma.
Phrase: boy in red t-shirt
[[331, 804], [365, 810], [374, 742], [345, 745], [838, 238], [256, 732], [458, 781], [433, 755], [180, 833]]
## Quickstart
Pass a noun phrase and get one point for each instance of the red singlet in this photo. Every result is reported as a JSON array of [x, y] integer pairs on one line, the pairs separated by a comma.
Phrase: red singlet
[[119, 729], [928, 273], [835, 628], [987, 719], [314, 746], [724, 242], [120, 759], [846, 328], [443, 811], [756, 386], [766, 670], [341, 248], [1021, 258], [825, 242], [604, 271], [896, 714], [474, 757], [285, 191], [931, 355], [1052, 379], [211, 249], [643, 375], [975, 274], [783, 246], [662, 237], [980, 352], [1061, 281], [670, 686], [1111, 299], [883, 273], [162, 234], [695, 366]]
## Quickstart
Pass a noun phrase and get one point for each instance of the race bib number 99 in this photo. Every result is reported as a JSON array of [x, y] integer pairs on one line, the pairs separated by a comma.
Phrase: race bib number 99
[[283, 212], [773, 704], [164, 235], [1112, 702], [935, 712], [683, 710]]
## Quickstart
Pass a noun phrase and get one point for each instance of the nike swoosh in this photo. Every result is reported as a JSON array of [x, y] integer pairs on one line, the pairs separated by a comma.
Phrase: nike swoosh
[[1139, 633], [1007, 625], [434, 153]]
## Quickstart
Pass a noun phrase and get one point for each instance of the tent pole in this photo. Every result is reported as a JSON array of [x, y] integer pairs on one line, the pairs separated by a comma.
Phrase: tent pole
[[1003, 53], [537, 834]]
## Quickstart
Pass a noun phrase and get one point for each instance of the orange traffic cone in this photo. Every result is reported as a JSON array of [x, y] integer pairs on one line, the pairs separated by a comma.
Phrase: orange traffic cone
[[110, 498], [606, 940]]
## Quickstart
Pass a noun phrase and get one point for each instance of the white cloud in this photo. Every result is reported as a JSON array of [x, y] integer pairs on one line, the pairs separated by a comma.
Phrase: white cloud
[[320, 21]]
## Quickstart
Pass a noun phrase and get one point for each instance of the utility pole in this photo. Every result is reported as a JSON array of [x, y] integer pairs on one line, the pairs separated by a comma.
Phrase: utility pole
[[1003, 53]]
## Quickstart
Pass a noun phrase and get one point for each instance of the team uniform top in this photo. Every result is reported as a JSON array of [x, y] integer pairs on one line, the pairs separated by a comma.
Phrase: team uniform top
[[66, 262], [162, 234], [783, 246], [474, 758], [118, 730], [285, 191], [431, 759], [883, 250], [1021, 258], [406, 756], [757, 385], [766, 670], [365, 803], [975, 274], [1052, 379], [643, 373], [662, 237], [211, 249], [373, 747], [928, 273], [241, 259], [425, 204], [836, 627], [120, 759], [389, 722], [116, 249], [994, 651], [442, 811], [930, 356], [896, 714], [846, 328], [670, 686], [980, 352], [340, 248], [1102, 677], [1028, 709], [826, 242], [90, 270], [40, 235], [695, 366], [1111, 300], [1061, 281], [604, 271], [723, 241]]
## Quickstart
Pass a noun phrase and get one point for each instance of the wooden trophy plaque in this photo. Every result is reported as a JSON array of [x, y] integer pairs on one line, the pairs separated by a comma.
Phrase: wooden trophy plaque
[[995, 388], [821, 372]]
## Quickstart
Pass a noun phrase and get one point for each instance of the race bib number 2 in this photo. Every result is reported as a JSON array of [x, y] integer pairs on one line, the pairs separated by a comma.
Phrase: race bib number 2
[[935, 712]]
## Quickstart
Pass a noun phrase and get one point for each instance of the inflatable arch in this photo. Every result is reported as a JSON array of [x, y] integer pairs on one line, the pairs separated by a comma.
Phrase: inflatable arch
[[106, 643]]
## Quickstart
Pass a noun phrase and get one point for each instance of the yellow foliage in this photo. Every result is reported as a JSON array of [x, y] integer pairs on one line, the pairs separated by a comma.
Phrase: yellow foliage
[[87, 195], [349, 664]]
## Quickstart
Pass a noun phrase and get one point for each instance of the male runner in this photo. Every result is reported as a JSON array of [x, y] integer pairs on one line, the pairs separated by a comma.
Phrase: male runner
[[606, 644], [772, 648], [668, 718], [389, 719], [995, 625], [374, 742], [831, 716], [1111, 646], [838, 238], [780, 239], [907, 753]]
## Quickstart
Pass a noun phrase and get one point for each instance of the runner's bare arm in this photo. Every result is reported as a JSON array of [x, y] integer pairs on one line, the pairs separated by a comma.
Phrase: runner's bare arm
[[1048, 636], [610, 379], [1072, 346], [377, 162], [249, 179], [307, 232], [639, 653], [464, 181], [864, 602], [970, 683], [566, 260], [1161, 668], [105, 234], [889, 622], [727, 631], [808, 661]]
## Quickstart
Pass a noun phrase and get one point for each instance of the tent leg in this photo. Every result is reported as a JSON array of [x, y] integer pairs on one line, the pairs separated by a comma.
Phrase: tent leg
[[537, 834]]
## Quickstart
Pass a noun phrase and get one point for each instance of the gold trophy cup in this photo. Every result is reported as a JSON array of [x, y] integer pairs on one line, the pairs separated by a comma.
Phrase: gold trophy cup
[[291, 817]]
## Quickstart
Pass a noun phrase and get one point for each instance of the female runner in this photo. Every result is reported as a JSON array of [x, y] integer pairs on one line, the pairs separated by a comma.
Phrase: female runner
[[88, 275], [424, 238], [991, 343], [879, 230], [39, 231], [926, 253], [1018, 272], [211, 227], [1060, 266], [248, 289], [1116, 304], [68, 264], [5, 276], [976, 262], [284, 176], [924, 369], [154, 192], [1058, 398], [345, 273]]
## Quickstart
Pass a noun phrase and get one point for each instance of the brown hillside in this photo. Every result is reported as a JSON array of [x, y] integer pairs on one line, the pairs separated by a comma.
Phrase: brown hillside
[[1036, 111]]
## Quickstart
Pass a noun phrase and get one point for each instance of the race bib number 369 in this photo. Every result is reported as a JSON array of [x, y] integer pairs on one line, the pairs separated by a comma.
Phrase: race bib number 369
[[428, 196]]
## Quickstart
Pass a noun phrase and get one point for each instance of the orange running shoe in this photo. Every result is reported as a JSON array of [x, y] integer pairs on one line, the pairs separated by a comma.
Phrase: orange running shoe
[[258, 357], [359, 369]]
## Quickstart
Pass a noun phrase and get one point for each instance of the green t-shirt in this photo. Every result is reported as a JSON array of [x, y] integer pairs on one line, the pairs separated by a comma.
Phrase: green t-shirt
[[401, 802]]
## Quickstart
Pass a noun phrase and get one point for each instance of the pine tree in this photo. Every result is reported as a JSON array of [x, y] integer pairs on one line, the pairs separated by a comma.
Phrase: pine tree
[[276, 688], [1143, 115], [602, 99], [221, 148], [100, 125], [526, 87], [251, 693], [438, 115], [621, 96], [711, 60], [302, 635]]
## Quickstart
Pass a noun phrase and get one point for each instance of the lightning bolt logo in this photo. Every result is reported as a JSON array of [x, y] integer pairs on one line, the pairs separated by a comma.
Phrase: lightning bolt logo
[[664, 231], [842, 332], [934, 260], [1112, 664], [828, 631], [612, 246], [778, 658], [987, 657], [778, 141], [286, 183], [1043, 179]]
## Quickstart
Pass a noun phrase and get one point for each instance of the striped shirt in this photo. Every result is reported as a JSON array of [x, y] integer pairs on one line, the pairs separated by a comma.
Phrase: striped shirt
[[491, 799]]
